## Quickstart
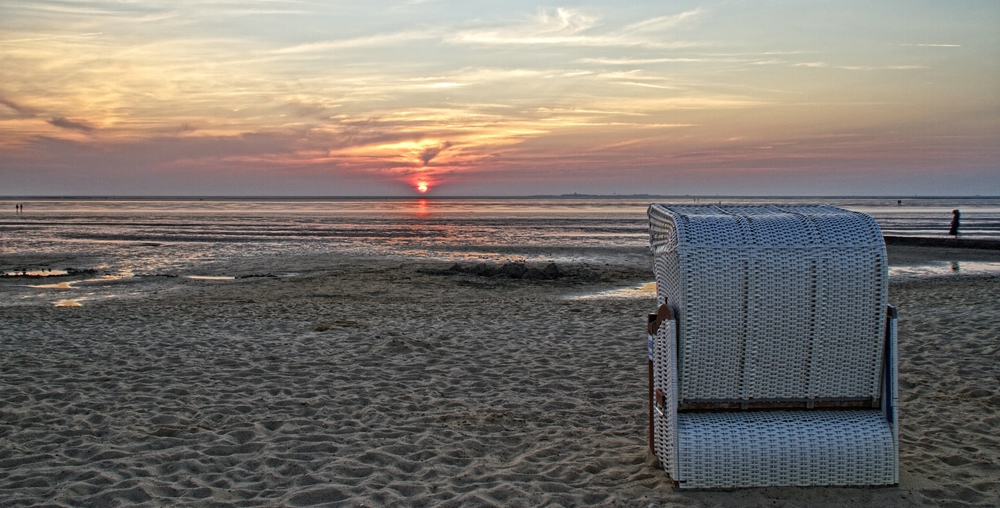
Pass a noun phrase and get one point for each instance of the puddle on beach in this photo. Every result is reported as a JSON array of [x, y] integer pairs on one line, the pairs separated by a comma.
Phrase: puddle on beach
[[210, 277], [70, 284], [106, 278], [70, 302], [35, 273], [647, 290], [937, 269], [61, 285]]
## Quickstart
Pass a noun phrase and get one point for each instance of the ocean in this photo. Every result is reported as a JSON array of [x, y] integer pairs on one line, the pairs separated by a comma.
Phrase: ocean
[[132, 237]]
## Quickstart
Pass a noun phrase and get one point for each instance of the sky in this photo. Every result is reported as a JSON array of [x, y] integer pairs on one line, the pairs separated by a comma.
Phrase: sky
[[470, 98]]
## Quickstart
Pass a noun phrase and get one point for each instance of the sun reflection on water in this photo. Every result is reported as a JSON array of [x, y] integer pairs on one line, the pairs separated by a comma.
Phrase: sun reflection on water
[[421, 209]]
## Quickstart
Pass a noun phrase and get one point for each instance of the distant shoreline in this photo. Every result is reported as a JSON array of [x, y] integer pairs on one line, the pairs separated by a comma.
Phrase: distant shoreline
[[707, 198], [953, 243]]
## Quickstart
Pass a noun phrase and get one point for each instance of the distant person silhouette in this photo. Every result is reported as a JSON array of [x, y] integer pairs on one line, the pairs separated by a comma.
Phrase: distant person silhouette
[[956, 217]]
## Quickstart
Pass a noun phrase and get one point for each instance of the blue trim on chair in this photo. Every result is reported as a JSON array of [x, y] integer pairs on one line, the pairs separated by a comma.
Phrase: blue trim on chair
[[887, 366]]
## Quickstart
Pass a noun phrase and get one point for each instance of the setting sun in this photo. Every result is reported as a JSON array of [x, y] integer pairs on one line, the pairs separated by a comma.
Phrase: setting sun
[[422, 187]]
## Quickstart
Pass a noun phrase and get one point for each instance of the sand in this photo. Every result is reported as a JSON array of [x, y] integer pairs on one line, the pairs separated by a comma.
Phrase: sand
[[382, 382]]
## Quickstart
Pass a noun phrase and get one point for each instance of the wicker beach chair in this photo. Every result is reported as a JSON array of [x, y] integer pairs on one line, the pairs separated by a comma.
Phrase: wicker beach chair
[[773, 351]]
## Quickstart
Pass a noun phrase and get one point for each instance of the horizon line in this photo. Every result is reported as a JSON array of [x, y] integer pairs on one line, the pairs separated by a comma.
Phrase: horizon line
[[515, 196]]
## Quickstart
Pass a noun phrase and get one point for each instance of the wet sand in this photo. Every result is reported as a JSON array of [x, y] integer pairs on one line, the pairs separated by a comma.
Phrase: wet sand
[[359, 381], [909, 255]]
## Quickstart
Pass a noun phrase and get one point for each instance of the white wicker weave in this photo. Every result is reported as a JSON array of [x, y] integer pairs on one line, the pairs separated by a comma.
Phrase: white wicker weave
[[765, 448], [773, 307]]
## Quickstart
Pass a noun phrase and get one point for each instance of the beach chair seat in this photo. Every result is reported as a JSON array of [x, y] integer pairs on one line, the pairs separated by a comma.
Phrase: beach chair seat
[[772, 352]]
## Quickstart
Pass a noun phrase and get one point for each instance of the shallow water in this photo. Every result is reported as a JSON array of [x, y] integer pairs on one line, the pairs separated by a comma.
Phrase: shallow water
[[945, 268], [197, 239]]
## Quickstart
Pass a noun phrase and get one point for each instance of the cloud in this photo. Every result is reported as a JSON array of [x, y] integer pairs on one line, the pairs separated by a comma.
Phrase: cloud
[[855, 67], [379, 40], [570, 27], [560, 27], [60, 121], [639, 61], [24, 111], [563, 21], [432, 151], [443, 84], [664, 22], [563, 26], [52, 37], [647, 85]]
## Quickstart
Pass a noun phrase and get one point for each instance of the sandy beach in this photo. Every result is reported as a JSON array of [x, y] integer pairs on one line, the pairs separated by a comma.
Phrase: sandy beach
[[388, 382]]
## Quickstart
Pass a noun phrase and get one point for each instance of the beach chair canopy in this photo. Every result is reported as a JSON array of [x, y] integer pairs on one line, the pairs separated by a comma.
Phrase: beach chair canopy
[[780, 309]]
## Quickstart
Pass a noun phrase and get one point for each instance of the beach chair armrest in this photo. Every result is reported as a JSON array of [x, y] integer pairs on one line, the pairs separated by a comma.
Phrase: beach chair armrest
[[664, 388]]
